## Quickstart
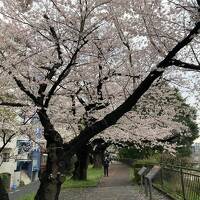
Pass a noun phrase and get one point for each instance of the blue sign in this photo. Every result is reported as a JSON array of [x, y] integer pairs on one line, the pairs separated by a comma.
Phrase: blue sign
[[38, 133], [35, 160]]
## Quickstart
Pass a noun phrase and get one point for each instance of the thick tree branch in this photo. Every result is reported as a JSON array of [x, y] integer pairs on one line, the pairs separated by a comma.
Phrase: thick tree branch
[[11, 104], [55, 67], [100, 84], [73, 105], [184, 42], [198, 2], [63, 75], [50, 134], [26, 91], [185, 65], [5, 142], [111, 118]]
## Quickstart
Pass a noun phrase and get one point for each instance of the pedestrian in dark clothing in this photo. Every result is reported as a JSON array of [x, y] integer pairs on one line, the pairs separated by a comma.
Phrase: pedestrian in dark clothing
[[106, 165]]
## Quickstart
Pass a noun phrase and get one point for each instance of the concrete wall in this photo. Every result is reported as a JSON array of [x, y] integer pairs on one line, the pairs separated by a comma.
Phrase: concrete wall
[[16, 179], [9, 167]]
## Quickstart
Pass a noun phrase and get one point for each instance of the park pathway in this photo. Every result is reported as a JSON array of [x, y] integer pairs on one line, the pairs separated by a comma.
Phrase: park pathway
[[115, 187]]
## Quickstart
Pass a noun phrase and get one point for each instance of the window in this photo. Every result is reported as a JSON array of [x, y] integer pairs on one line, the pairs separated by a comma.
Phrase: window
[[23, 146], [5, 157]]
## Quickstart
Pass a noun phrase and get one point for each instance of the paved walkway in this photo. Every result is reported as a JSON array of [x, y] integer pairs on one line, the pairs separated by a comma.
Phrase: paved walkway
[[20, 192], [115, 187]]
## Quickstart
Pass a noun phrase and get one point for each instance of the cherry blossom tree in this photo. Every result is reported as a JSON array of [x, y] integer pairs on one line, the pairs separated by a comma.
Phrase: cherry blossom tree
[[7, 133], [157, 121], [52, 50]]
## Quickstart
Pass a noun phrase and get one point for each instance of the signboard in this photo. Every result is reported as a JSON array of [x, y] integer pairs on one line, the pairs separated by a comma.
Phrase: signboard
[[38, 133], [142, 171], [153, 172], [35, 166]]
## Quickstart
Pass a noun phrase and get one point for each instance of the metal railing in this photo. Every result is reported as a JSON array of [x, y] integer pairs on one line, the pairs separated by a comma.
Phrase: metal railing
[[179, 182]]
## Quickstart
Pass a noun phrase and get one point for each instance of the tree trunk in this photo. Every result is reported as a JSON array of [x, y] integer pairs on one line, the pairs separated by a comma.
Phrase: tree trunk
[[57, 163], [81, 166], [3, 192], [54, 175], [98, 159]]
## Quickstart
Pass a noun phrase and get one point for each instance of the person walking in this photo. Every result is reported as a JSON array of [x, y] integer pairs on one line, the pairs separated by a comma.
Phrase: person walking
[[106, 166]]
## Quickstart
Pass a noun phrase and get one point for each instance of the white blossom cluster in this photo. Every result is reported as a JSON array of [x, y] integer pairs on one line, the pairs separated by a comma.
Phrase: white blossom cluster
[[102, 50]]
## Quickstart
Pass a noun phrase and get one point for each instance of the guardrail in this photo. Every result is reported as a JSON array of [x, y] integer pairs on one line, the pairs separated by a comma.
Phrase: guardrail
[[179, 182]]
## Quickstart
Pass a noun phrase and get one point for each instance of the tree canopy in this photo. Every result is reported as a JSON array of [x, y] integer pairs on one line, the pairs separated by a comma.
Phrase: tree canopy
[[66, 59]]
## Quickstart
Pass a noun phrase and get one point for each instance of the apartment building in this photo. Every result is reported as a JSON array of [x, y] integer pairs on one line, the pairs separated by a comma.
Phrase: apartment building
[[20, 160]]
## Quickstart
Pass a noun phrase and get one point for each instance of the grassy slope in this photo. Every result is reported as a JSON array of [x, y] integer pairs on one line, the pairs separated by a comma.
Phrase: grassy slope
[[94, 176]]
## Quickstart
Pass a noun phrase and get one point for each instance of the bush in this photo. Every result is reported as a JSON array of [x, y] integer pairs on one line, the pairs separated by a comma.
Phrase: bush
[[5, 177], [133, 153], [21, 183]]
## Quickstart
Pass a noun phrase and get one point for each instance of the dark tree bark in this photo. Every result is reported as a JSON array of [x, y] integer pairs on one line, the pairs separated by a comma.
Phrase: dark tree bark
[[81, 166], [54, 175], [99, 147], [98, 159], [111, 118], [3, 192], [59, 155]]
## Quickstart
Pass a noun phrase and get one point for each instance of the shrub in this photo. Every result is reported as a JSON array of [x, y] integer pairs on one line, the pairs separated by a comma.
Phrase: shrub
[[21, 183], [5, 177]]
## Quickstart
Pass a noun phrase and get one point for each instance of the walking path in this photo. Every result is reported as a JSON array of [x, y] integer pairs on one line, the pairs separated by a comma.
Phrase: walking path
[[20, 192], [115, 187]]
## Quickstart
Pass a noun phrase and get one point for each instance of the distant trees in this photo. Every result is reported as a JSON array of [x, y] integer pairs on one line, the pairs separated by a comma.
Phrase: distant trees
[[183, 114], [187, 137]]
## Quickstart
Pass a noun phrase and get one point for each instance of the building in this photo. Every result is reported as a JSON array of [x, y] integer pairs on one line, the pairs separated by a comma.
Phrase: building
[[20, 160], [196, 150]]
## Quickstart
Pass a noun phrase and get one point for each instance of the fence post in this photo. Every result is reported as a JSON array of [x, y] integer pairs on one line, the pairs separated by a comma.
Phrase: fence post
[[150, 189], [161, 176], [146, 186], [182, 184]]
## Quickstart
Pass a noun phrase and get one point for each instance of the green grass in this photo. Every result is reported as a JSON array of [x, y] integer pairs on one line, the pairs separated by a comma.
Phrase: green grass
[[94, 176], [28, 197], [167, 191], [131, 174], [175, 193]]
